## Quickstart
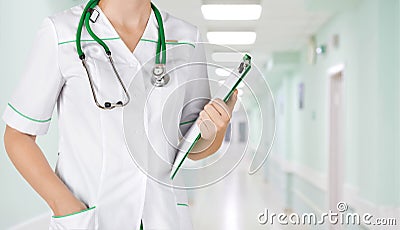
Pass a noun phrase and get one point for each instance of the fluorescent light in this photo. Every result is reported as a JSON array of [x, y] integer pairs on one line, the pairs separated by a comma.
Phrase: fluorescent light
[[232, 38], [231, 12], [222, 72], [227, 56]]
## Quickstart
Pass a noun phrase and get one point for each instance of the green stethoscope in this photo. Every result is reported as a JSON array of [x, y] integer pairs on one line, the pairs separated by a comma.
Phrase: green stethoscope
[[159, 79]]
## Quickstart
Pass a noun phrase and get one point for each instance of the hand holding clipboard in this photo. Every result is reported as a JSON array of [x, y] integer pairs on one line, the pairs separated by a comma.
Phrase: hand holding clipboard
[[225, 91]]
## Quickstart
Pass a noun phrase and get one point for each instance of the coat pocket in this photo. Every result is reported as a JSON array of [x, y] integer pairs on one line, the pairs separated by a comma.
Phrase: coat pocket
[[85, 219]]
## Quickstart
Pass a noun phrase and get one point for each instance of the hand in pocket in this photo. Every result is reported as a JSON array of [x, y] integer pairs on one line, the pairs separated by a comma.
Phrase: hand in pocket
[[68, 206]]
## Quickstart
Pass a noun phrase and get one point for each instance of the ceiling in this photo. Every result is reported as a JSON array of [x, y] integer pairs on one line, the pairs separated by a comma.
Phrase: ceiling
[[285, 25]]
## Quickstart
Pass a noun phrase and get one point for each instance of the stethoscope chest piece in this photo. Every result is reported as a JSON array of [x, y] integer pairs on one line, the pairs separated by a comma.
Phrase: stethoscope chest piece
[[160, 78]]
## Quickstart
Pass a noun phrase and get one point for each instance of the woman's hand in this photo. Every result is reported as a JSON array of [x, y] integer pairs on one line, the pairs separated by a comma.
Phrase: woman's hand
[[213, 122], [67, 206], [215, 117]]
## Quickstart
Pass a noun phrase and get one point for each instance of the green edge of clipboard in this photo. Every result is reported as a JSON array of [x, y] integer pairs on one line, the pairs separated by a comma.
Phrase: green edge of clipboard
[[245, 58]]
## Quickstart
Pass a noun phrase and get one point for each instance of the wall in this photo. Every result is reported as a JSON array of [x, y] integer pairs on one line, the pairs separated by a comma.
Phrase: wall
[[18, 23], [369, 48]]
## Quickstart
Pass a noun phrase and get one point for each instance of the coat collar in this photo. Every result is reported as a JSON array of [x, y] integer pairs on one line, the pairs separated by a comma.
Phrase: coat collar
[[121, 53]]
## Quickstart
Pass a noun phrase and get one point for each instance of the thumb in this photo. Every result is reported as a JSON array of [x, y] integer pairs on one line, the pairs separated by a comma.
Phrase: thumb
[[232, 100]]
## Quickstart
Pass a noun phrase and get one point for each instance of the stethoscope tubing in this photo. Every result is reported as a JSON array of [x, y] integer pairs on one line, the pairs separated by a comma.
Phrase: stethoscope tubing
[[158, 80], [85, 20]]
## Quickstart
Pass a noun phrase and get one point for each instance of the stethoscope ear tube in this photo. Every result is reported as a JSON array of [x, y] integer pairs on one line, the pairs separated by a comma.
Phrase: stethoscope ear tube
[[128, 98], [91, 82], [107, 105]]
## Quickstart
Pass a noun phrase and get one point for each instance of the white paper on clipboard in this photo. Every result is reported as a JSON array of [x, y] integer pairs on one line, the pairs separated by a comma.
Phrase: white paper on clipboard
[[224, 92]]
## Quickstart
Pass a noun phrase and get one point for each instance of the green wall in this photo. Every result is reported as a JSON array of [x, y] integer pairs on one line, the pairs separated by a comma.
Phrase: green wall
[[18, 201], [369, 48]]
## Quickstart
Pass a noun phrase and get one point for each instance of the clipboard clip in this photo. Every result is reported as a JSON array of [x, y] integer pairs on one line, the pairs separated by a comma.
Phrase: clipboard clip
[[244, 64]]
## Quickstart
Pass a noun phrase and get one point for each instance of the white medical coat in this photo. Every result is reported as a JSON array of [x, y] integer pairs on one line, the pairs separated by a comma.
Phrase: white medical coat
[[94, 159]]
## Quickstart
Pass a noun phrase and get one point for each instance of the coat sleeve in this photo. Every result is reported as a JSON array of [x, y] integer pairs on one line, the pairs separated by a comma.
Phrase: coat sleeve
[[197, 93], [31, 106]]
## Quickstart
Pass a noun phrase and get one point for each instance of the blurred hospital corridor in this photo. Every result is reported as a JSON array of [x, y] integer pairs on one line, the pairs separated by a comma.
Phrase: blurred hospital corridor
[[319, 112], [235, 202]]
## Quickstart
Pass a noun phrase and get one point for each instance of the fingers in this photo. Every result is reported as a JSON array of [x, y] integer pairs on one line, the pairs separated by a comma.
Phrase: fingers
[[222, 109], [214, 114], [206, 125], [225, 109]]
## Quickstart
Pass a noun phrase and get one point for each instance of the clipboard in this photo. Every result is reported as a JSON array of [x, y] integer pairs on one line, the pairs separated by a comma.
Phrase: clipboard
[[193, 134]]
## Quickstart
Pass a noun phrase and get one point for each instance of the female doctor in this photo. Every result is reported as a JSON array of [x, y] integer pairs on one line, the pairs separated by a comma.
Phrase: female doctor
[[95, 184]]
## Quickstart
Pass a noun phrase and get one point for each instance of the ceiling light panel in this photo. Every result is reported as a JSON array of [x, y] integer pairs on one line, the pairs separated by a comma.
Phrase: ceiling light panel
[[234, 12], [227, 57], [232, 38], [222, 72]]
